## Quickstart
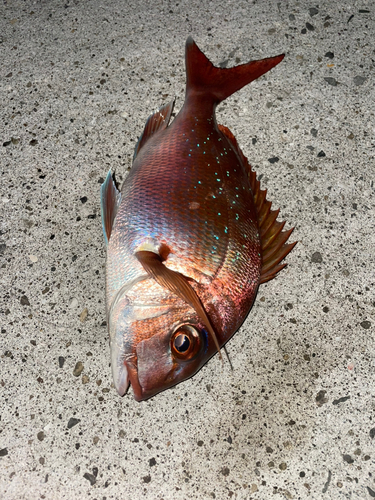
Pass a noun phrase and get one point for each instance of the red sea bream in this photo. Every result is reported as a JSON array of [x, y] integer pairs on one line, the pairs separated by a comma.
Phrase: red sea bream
[[189, 238]]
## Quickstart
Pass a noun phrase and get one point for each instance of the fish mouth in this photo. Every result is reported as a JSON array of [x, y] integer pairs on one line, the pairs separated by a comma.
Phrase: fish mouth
[[138, 392], [120, 374], [125, 374]]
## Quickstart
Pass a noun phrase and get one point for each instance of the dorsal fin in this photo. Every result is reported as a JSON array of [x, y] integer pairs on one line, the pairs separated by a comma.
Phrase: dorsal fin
[[272, 237], [155, 122], [178, 284], [110, 199], [219, 83]]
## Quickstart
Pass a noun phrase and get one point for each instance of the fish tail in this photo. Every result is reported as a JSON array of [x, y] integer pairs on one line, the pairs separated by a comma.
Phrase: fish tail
[[220, 83]]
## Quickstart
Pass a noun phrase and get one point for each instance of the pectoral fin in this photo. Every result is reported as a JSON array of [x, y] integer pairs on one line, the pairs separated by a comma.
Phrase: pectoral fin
[[177, 284], [110, 199]]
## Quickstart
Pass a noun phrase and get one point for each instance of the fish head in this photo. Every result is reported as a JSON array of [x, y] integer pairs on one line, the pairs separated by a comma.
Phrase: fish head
[[155, 345], [167, 358]]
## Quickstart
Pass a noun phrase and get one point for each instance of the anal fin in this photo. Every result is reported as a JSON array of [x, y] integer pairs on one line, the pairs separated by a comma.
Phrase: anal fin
[[272, 237], [110, 199]]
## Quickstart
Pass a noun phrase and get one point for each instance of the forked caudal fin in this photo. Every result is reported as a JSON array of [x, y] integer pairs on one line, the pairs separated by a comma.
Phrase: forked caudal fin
[[220, 83], [177, 284]]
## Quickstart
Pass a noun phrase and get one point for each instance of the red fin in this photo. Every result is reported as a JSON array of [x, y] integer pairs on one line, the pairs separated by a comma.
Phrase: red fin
[[220, 83], [155, 122], [272, 237], [177, 284], [110, 199]]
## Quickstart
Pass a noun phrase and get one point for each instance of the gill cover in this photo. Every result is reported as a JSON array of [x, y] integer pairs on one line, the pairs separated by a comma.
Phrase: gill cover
[[177, 284]]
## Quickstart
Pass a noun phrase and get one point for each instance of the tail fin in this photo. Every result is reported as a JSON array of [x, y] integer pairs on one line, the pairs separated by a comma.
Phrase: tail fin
[[220, 83]]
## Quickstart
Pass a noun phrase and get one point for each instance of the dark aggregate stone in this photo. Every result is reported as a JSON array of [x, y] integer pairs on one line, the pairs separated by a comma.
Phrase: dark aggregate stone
[[310, 27], [321, 398], [78, 369], [359, 80], [61, 361], [90, 477], [24, 301], [41, 435], [371, 492], [330, 55], [147, 479], [348, 459], [275, 159], [3, 452], [72, 422], [325, 487], [317, 258], [365, 324], [340, 400], [225, 471], [372, 433], [313, 11], [321, 154], [330, 81]]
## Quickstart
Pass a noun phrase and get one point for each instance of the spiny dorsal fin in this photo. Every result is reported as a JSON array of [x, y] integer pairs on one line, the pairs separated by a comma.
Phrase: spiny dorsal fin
[[177, 284], [110, 199], [155, 122], [272, 237]]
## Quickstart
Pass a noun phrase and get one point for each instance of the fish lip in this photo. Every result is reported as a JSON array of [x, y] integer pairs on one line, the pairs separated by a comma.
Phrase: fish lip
[[120, 377], [139, 394]]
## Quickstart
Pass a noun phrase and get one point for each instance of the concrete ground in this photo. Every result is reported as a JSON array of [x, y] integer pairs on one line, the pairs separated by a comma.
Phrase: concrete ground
[[296, 417]]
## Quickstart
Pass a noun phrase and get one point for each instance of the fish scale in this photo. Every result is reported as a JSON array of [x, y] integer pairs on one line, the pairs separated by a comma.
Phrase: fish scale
[[190, 237]]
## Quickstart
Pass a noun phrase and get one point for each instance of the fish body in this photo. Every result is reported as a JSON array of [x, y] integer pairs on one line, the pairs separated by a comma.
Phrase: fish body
[[190, 237]]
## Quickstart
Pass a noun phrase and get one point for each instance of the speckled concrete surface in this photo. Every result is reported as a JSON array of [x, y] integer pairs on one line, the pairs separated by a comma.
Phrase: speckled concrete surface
[[295, 419]]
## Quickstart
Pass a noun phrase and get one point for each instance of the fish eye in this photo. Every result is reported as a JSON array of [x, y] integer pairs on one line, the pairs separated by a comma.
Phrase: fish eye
[[181, 342], [186, 342]]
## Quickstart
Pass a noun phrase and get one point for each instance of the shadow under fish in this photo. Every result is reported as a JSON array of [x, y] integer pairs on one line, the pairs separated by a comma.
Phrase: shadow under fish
[[189, 238]]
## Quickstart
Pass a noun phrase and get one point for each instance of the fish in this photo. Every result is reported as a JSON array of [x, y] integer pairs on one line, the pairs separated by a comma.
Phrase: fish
[[190, 236]]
